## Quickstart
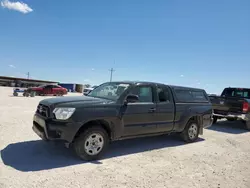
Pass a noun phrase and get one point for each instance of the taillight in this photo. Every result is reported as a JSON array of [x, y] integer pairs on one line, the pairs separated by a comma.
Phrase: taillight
[[245, 106]]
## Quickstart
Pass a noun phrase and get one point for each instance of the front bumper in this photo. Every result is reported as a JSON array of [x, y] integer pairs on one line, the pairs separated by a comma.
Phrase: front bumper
[[48, 129]]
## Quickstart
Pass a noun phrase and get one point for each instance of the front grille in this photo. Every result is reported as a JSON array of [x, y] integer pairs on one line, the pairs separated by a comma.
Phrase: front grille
[[43, 110]]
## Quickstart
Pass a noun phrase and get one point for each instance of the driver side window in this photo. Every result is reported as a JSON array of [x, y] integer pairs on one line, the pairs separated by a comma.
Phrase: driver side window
[[48, 87], [143, 92]]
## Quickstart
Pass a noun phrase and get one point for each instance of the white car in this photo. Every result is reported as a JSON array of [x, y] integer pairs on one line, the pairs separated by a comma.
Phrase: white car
[[87, 90]]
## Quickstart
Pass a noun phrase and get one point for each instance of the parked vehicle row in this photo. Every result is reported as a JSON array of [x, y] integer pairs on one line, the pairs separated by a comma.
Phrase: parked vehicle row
[[127, 110]]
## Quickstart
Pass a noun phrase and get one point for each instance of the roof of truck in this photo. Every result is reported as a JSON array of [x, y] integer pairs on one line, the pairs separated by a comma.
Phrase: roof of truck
[[146, 82]]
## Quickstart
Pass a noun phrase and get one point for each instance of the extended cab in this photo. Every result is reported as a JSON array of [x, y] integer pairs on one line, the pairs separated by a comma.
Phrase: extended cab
[[233, 104], [131, 109]]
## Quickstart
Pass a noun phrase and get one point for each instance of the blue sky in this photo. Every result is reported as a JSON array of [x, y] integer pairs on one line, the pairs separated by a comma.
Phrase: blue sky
[[196, 43]]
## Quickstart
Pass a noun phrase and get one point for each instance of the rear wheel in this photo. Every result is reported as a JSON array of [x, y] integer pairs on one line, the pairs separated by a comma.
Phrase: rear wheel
[[60, 93], [191, 132], [91, 144], [33, 94]]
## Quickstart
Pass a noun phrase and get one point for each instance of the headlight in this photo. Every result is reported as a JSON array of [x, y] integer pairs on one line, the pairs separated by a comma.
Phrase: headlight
[[63, 113]]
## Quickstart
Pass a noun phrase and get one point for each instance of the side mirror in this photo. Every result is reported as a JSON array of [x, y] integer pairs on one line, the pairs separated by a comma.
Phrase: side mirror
[[131, 99]]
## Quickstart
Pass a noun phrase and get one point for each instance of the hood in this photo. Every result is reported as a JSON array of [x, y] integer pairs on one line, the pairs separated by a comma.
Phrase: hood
[[74, 99]]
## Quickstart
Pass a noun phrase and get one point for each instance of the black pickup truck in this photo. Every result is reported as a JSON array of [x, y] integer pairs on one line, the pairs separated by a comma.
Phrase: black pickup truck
[[233, 104], [127, 110]]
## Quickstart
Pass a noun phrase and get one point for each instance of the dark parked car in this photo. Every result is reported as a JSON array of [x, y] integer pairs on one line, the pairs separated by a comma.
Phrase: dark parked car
[[131, 109], [233, 104]]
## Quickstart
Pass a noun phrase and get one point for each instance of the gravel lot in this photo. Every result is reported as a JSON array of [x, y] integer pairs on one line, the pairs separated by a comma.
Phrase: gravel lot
[[221, 158]]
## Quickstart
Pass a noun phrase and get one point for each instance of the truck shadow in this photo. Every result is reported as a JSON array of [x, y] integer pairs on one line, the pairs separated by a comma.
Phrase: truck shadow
[[231, 127], [38, 155]]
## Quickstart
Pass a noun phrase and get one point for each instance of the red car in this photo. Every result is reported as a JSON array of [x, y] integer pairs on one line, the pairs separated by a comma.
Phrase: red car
[[46, 90]]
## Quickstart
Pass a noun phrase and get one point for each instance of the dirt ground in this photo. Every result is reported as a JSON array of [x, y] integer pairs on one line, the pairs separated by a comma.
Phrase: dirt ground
[[221, 157]]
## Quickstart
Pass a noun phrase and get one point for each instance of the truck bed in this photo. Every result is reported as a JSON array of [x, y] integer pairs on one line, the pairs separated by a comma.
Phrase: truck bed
[[224, 105]]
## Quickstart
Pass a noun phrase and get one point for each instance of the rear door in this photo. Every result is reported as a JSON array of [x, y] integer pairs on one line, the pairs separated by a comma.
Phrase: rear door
[[165, 109]]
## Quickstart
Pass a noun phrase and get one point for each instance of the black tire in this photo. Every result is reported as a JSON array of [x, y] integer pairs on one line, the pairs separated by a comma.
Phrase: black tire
[[80, 143], [231, 119], [215, 119], [15, 94], [186, 136]]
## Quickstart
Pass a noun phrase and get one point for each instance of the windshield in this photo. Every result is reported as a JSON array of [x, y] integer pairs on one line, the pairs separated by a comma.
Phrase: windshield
[[110, 90], [43, 85]]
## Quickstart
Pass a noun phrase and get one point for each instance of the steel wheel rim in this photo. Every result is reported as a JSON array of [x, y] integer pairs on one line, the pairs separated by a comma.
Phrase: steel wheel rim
[[193, 131], [94, 144]]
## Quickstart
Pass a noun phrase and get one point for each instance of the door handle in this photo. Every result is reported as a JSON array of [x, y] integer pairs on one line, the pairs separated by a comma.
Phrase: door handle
[[152, 110]]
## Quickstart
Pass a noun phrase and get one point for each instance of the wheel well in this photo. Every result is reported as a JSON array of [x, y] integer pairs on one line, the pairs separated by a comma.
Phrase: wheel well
[[102, 123], [194, 118], [197, 119]]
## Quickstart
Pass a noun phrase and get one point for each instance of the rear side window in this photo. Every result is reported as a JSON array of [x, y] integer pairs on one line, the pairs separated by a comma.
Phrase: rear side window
[[186, 95], [163, 94], [233, 92], [199, 95]]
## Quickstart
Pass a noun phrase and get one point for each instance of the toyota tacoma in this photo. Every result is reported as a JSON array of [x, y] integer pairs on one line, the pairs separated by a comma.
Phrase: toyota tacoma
[[131, 109]]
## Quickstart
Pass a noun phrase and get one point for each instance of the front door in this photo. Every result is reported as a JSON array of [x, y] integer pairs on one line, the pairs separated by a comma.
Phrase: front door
[[48, 90], [139, 117]]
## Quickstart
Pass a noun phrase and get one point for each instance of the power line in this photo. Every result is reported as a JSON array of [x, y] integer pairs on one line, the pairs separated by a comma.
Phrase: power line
[[111, 74]]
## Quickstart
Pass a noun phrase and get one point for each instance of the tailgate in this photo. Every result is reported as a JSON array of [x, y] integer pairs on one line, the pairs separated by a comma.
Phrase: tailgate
[[223, 105]]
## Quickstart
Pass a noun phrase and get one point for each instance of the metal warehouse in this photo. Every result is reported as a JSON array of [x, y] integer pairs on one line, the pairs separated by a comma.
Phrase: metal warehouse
[[23, 82]]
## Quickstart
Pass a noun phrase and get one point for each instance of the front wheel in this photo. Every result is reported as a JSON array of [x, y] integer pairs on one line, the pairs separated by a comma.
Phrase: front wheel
[[91, 144], [191, 132]]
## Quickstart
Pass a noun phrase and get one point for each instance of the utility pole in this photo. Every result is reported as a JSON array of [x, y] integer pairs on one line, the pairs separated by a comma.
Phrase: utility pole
[[28, 75], [111, 74]]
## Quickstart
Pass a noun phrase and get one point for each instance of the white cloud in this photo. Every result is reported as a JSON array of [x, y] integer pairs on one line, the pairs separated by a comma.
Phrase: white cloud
[[86, 80], [92, 69], [12, 66], [18, 6], [181, 75]]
